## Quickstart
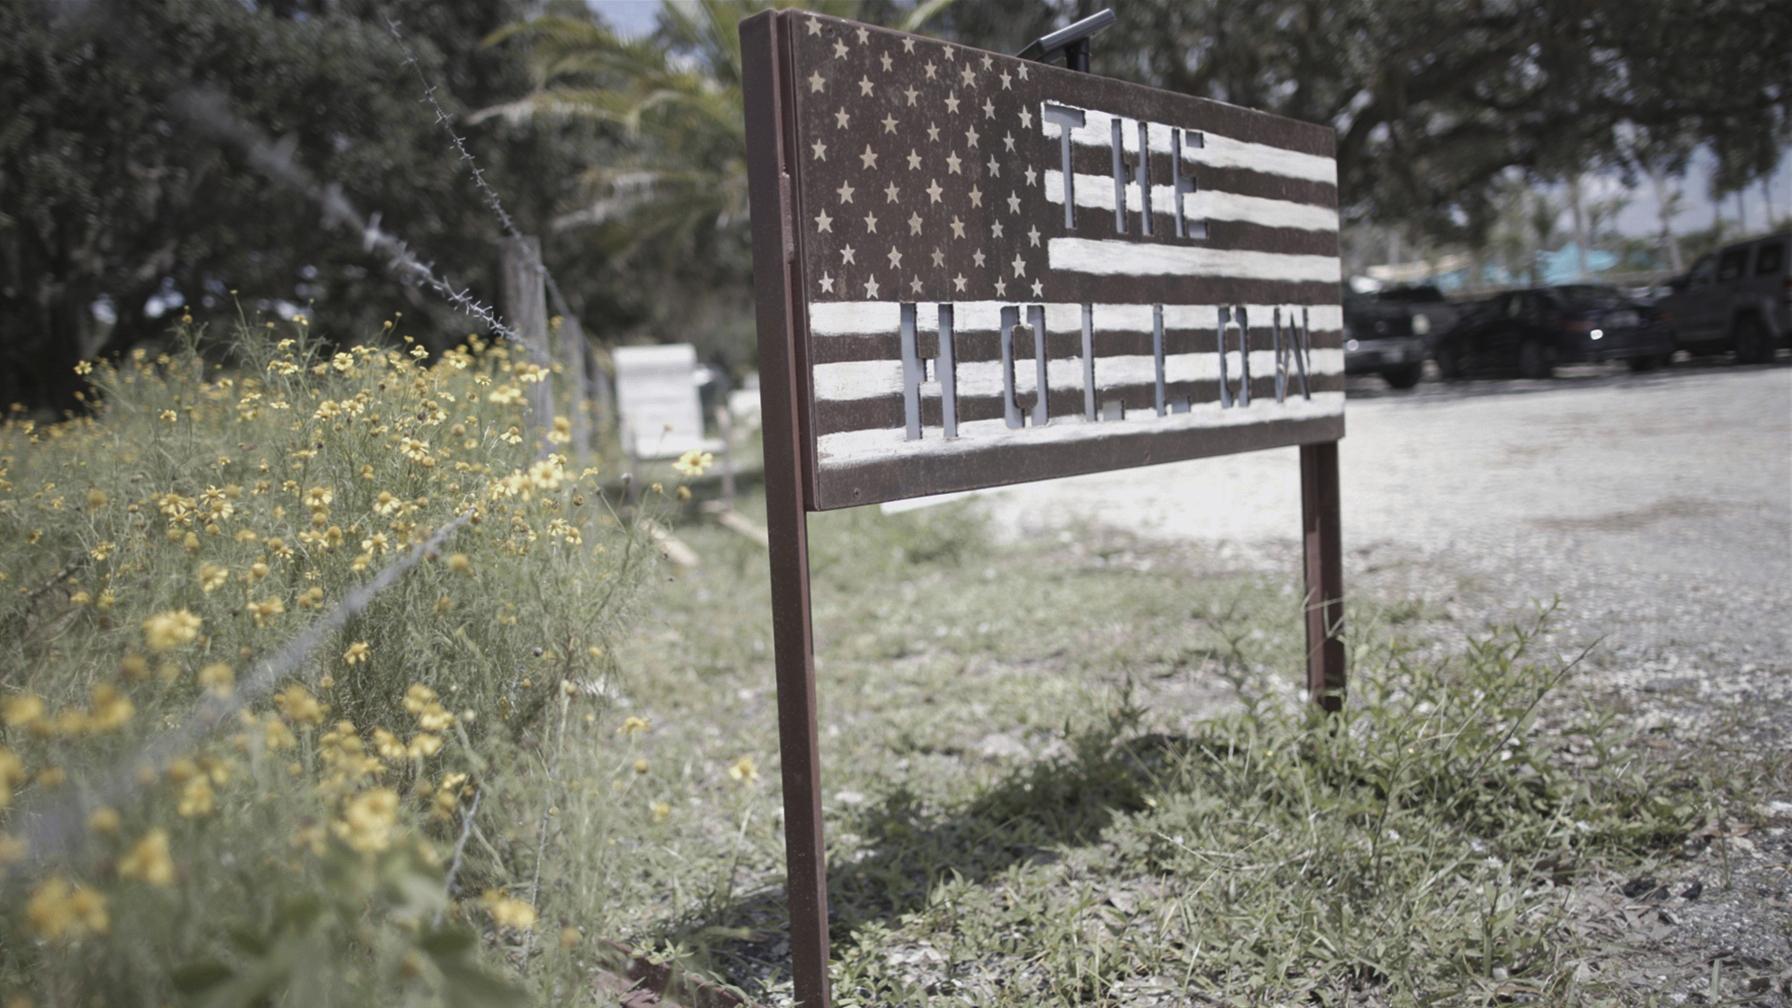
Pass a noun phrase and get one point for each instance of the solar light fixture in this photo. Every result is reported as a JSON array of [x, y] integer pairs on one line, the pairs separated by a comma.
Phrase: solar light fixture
[[1070, 42]]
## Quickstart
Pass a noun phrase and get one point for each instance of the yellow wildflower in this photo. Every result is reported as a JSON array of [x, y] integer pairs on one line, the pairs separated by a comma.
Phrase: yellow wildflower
[[165, 631], [417, 698], [277, 736], [319, 497], [633, 725], [96, 499], [507, 911], [743, 770], [21, 710], [103, 820], [12, 849], [57, 908], [368, 819], [640, 766], [661, 811], [387, 504], [83, 367], [459, 564], [266, 608], [217, 677], [196, 798], [212, 576], [12, 772], [356, 653], [148, 860], [133, 667], [694, 462], [311, 598], [111, 709], [388, 745], [297, 703]]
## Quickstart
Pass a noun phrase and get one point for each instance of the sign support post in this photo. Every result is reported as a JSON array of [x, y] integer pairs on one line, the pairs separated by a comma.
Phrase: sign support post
[[1126, 238]]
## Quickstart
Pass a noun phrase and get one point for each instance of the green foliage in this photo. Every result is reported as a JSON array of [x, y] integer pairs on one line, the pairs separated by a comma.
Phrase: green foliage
[[324, 843]]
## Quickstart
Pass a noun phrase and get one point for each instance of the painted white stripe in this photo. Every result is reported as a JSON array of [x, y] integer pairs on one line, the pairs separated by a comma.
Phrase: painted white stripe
[[858, 447], [848, 381], [1124, 258], [883, 318], [1097, 193], [1219, 151]]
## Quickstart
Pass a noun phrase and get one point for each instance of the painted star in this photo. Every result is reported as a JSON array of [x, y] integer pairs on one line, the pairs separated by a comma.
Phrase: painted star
[[890, 193], [995, 229], [995, 170], [958, 282], [1001, 287], [1038, 289], [1008, 141], [914, 160], [977, 258], [815, 82], [864, 35], [1005, 79], [915, 285], [1022, 70], [950, 51], [933, 133], [895, 257], [1013, 202], [1020, 266], [957, 227], [885, 58], [839, 49], [827, 284], [868, 160], [929, 69], [845, 192], [933, 191], [889, 123], [989, 109], [970, 136], [823, 222], [968, 75], [911, 92], [952, 102], [1026, 118], [1033, 236], [908, 45], [871, 224], [846, 256], [815, 26], [914, 223], [952, 163], [871, 288], [976, 195], [820, 149], [1032, 176], [987, 63], [864, 86], [939, 258], [841, 118]]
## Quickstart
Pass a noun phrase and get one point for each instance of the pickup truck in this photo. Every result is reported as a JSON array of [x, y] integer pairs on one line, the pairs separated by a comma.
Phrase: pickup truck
[[1738, 298]]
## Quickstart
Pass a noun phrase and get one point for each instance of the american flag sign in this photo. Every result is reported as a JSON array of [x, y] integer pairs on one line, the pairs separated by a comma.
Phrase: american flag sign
[[1008, 271]]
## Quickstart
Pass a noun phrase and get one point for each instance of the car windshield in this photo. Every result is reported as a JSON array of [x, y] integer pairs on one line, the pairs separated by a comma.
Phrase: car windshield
[[1583, 296]]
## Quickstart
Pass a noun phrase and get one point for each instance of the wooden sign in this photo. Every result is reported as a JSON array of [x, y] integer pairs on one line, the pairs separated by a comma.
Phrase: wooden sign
[[973, 270], [970, 229]]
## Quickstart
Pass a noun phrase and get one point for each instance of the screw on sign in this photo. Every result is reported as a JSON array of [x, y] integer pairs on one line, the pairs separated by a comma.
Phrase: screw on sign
[[973, 270]]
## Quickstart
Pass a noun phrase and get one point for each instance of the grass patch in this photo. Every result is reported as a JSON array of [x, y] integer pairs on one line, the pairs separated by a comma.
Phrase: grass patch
[[1080, 771]]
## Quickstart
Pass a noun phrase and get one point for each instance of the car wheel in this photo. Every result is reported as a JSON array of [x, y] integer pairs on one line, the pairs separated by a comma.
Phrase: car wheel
[[1403, 377], [1647, 362], [1751, 341], [1533, 360], [1449, 361]]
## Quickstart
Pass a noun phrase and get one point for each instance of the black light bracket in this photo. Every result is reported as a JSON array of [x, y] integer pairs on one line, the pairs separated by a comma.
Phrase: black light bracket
[[1070, 42]]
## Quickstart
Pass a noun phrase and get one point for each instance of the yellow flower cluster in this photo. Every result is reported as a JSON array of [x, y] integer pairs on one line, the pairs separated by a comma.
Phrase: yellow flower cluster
[[59, 909], [508, 911], [368, 820], [169, 630]]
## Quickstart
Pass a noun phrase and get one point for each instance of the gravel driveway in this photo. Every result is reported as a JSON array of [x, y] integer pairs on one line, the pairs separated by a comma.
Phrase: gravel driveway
[[1656, 507]]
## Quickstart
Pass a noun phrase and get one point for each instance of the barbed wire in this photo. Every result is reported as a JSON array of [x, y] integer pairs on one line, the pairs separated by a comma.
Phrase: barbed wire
[[209, 111], [52, 829]]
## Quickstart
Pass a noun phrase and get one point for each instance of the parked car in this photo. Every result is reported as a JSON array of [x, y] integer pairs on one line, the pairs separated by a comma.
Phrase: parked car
[[1535, 330], [1737, 298], [1385, 335]]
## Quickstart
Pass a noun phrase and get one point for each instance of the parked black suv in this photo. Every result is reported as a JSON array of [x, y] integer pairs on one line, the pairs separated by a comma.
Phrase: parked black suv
[[1384, 334], [1534, 330], [1737, 298]]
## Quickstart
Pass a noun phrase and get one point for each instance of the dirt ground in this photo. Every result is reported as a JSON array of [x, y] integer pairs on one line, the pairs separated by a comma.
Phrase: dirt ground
[[1656, 507]]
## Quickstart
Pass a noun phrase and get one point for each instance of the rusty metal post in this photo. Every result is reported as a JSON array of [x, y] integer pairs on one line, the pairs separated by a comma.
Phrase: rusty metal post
[[783, 374], [1324, 556]]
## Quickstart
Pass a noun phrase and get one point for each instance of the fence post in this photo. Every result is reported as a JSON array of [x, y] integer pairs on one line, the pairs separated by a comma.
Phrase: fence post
[[526, 307]]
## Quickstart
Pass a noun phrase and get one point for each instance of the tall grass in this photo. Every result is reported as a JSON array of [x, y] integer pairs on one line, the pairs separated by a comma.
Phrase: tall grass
[[323, 845]]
